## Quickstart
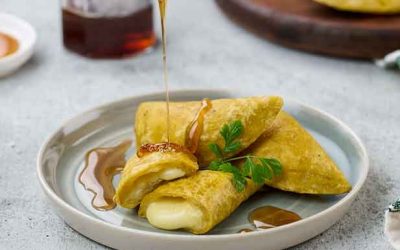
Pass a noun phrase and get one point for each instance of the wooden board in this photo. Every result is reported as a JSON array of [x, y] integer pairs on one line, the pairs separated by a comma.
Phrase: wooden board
[[303, 24]]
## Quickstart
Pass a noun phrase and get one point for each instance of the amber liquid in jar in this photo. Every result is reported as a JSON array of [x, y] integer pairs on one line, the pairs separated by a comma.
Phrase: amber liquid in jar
[[108, 37]]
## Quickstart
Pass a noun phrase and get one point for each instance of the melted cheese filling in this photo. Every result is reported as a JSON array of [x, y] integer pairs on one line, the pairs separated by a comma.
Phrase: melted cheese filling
[[173, 213], [171, 174], [148, 183]]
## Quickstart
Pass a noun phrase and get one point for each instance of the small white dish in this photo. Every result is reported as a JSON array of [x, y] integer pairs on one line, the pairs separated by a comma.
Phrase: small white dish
[[61, 159], [25, 34]]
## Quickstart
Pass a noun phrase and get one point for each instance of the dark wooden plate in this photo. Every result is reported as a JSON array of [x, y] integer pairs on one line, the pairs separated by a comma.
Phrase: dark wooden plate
[[305, 25]]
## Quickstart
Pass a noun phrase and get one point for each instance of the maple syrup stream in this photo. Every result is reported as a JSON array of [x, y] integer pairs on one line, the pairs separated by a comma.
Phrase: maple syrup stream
[[162, 5]]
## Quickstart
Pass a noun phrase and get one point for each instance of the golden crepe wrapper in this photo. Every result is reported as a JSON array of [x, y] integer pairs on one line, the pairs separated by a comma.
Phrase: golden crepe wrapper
[[211, 191], [366, 6], [256, 114], [306, 167], [141, 175]]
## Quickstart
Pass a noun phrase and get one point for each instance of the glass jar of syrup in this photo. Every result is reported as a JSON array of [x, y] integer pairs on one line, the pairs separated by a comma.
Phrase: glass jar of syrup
[[108, 28]]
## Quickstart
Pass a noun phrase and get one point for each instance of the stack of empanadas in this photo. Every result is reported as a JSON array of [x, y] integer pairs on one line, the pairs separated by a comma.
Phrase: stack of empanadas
[[199, 200], [257, 114]]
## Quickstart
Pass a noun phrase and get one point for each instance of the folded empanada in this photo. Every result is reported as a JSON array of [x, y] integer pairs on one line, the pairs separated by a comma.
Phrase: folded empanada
[[196, 203], [307, 168], [146, 170], [256, 114]]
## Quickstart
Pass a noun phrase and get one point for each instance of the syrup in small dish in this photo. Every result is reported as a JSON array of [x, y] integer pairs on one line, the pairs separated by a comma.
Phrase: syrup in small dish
[[8, 45]]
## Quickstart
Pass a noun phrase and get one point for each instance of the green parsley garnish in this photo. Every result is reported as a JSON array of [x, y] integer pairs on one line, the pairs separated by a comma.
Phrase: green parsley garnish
[[398, 62], [257, 168]]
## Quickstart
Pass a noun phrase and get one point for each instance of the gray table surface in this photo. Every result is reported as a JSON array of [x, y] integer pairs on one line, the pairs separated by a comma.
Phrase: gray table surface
[[206, 51]]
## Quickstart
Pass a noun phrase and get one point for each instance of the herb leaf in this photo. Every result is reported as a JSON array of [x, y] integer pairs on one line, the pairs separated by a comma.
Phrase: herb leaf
[[230, 132], [214, 165], [274, 164], [264, 172], [225, 132], [247, 166], [236, 129], [257, 168], [256, 171], [215, 149], [239, 181], [233, 147]]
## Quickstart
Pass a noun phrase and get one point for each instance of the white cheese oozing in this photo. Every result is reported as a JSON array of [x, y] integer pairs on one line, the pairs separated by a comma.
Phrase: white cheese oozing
[[171, 214], [148, 183], [171, 174]]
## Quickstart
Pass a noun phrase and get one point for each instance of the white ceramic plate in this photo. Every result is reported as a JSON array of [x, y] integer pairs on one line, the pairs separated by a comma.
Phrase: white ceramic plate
[[61, 159], [26, 37]]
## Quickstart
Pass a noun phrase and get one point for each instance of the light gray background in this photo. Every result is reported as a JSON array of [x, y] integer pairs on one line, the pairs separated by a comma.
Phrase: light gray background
[[205, 51]]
